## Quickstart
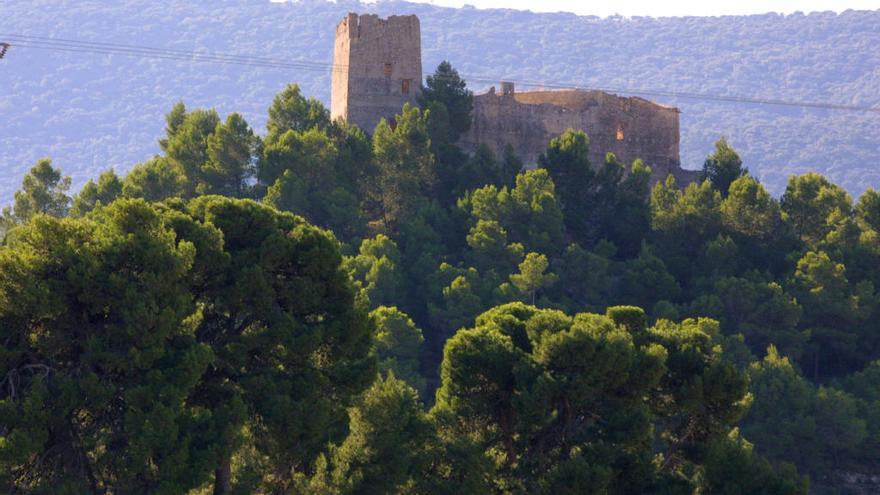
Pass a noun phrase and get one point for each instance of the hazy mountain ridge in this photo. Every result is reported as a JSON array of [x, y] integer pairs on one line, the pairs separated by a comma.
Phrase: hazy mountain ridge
[[90, 112]]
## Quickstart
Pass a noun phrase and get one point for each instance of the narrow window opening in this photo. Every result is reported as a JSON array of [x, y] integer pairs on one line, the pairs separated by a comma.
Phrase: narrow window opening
[[620, 133], [404, 87]]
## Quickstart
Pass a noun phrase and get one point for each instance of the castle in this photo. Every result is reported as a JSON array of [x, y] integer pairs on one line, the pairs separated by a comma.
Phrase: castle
[[378, 68]]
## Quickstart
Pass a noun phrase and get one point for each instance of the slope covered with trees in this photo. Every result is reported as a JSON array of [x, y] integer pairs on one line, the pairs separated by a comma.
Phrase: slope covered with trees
[[92, 112], [195, 326]]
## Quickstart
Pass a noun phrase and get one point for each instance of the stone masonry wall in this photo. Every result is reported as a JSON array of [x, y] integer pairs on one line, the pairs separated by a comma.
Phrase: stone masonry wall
[[629, 127], [377, 68]]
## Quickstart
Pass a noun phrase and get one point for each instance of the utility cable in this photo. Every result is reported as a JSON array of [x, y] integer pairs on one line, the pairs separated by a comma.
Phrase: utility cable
[[140, 51]]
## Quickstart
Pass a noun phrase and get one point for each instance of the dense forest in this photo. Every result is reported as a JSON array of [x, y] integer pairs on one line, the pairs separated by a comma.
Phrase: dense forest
[[96, 111], [318, 309]]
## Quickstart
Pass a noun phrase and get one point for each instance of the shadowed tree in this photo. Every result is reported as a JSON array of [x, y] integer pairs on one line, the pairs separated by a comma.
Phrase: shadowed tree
[[292, 347], [566, 159], [99, 355], [447, 88]]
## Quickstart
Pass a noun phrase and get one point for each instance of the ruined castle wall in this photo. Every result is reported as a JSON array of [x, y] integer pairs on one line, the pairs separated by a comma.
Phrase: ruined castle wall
[[377, 68], [629, 127]]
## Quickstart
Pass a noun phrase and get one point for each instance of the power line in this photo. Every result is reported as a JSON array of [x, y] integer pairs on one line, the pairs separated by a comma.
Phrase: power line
[[66, 45], [140, 51], [148, 49]]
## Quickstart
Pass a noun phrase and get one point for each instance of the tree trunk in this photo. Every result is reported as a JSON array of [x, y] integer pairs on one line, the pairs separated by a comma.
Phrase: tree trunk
[[507, 436], [223, 477]]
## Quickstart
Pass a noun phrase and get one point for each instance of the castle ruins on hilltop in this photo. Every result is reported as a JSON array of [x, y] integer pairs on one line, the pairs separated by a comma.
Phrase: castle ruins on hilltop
[[378, 68]]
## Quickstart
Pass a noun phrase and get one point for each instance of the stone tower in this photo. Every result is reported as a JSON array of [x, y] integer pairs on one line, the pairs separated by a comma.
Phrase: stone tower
[[377, 67]]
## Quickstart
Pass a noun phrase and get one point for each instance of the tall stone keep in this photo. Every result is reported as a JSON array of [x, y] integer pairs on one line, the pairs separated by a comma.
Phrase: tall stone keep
[[377, 67]]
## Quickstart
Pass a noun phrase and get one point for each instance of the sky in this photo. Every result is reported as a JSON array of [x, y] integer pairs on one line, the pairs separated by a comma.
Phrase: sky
[[662, 8]]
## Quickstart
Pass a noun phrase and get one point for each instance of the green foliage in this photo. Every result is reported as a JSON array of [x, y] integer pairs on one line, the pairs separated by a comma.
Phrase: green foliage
[[405, 167], [568, 165], [445, 87], [586, 280], [158, 179], [648, 281], [99, 354], [708, 394], [108, 188], [150, 346], [529, 212], [868, 209], [308, 155], [733, 468], [683, 221], [270, 323], [626, 218], [808, 201], [567, 403], [43, 190], [865, 387], [599, 203], [448, 106], [232, 152], [478, 170], [290, 111], [378, 271], [723, 167], [275, 299], [864, 384], [398, 344], [464, 293], [186, 141], [215, 157], [533, 276], [749, 210], [835, 312], [314, 172], [815, 428], [388, 447]]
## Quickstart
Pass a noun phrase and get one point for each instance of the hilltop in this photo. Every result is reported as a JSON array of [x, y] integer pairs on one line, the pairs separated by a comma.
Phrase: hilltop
[[91, 112]]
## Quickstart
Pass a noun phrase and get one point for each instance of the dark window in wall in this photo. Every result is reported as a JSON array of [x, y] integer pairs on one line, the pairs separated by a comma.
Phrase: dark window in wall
[[404, 87], [387, 70], [620, 133]]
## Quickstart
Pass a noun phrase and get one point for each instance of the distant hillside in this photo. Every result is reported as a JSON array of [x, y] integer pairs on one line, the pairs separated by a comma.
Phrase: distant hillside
[[91, 112]]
